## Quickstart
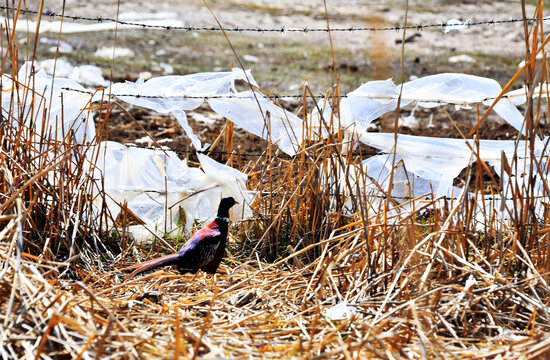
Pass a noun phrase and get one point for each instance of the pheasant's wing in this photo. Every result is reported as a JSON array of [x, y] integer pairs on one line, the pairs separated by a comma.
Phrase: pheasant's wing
[[212, 266], [189, 259], [199, 250]]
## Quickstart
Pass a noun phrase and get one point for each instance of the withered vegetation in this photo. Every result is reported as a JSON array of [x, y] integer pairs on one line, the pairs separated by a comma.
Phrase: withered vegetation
[[415, 278]]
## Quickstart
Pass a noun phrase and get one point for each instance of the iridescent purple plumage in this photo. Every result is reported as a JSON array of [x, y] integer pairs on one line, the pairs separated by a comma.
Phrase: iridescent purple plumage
[[203, 251]]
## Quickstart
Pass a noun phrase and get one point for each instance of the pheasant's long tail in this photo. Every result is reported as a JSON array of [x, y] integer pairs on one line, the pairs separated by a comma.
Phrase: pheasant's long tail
[[153, 264]]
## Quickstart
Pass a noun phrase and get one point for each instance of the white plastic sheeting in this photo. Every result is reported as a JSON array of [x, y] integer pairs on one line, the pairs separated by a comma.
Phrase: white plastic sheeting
[[177, 94], [59, 112], [438, 160], [519, 96], [367, 103], [406, 184], [253, 112], [85, 74], [430, 165], [340, 311], [375, 98], [454, 25], [260, 116], [155, 184]]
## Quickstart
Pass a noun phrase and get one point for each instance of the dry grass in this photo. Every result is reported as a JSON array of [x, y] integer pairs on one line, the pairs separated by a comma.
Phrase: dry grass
[[419, 278]]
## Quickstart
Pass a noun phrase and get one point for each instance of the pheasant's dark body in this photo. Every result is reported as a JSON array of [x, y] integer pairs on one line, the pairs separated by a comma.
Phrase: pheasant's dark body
[[204, 250]]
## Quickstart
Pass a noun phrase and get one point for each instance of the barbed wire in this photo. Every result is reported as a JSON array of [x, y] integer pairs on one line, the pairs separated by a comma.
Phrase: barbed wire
[[225, 96], [445, 197], [238, 153], [383, 196], [282, 29], [260, 153], [287, 96]]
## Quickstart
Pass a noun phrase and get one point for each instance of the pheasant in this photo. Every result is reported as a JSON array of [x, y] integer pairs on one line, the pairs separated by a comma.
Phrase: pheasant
[[204, 250]]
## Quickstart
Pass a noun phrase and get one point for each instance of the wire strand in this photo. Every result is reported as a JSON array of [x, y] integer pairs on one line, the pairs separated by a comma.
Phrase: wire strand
[[285, 96], [282, 29]]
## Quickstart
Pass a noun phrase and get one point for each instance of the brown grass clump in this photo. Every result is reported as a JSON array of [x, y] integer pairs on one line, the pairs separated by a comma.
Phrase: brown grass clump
[[412, 279]]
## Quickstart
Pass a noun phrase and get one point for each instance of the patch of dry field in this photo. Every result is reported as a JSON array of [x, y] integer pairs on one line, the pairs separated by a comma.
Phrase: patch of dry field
[[253, 309]]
